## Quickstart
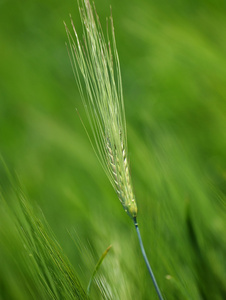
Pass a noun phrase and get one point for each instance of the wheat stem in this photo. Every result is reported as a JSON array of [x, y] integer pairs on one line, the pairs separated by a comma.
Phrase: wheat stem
[[146, 261]]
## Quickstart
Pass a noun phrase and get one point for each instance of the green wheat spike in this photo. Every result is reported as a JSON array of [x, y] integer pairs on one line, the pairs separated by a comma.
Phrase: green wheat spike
[[95, 64], [94, 61]]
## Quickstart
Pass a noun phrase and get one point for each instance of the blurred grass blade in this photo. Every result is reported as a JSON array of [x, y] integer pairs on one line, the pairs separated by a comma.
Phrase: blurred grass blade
[[28, 247], [96, 269]]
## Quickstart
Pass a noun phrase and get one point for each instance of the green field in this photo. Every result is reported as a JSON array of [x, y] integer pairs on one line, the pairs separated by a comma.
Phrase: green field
[[173, 64]]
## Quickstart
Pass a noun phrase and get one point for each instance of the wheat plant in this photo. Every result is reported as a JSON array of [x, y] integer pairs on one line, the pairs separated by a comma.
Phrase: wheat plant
[[33, 265], [96, 67]]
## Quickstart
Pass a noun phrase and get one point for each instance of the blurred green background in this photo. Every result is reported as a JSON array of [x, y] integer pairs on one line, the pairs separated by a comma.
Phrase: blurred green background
[[173, 64]]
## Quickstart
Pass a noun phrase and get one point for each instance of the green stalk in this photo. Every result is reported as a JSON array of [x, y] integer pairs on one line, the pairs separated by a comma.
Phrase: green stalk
[[146, 261]]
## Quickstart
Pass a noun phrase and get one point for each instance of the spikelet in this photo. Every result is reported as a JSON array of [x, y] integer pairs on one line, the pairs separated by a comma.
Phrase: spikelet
[[96, 66]]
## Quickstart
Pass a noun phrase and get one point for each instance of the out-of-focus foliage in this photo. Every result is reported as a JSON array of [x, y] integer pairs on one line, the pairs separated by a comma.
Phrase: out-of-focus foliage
[[173, 66], [32, 263]]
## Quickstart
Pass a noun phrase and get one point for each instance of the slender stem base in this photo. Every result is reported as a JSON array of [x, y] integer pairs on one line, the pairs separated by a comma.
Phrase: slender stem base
[[147, 262]]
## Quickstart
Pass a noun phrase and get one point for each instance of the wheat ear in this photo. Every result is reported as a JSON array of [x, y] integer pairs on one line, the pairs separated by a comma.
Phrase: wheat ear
[[95, 63]]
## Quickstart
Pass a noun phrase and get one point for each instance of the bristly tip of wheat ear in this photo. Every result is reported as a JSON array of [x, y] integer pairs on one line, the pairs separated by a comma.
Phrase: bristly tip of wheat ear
[[96, 67]]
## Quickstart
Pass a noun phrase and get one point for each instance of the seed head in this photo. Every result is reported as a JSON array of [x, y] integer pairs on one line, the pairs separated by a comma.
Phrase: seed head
[[95, 64]]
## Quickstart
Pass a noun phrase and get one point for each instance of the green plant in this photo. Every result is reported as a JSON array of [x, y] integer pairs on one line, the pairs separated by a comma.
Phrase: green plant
[[33, 265], [96, 61]]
